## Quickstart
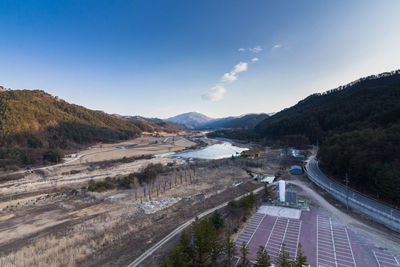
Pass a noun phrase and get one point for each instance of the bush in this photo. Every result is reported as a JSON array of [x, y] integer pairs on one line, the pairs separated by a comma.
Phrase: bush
[[232, 204], [53, 156], [248, 201], [125, 182], [100, 186], [149, 173], [217, 220], [73, 192]]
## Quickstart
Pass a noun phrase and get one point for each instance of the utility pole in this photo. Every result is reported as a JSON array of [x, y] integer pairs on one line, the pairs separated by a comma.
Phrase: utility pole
[[347, 191]]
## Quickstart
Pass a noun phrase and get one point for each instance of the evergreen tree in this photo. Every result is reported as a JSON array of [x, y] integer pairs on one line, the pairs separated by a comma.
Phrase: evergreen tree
[[186, 245], [216, 248], [217, 220], [263, 259], [229, 249], [177, 257], [283, 259], [245, 252], [202, 231], [248, 201], [301, 259]]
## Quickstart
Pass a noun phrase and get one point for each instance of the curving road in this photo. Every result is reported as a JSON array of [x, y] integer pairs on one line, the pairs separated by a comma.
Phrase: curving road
[[319, 178], [151, 250]]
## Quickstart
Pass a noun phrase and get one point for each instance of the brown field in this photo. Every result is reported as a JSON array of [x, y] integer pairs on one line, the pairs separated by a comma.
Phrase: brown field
[[144, 145], [47, 219]]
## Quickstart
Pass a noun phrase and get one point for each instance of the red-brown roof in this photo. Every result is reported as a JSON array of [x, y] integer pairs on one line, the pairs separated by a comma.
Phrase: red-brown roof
[[251, 151]]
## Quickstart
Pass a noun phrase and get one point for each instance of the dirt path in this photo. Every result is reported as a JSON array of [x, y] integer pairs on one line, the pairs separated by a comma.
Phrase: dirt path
[[385, 239]]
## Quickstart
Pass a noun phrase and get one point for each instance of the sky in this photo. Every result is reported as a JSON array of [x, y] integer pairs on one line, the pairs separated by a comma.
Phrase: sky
[[220, 58]]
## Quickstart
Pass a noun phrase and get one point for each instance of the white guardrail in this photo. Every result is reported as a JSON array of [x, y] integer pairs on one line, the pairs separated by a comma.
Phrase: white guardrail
[[386, 215]]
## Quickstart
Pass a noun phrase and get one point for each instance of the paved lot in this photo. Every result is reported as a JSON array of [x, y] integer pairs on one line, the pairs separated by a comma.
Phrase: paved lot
[[385, 258], [324, 241]]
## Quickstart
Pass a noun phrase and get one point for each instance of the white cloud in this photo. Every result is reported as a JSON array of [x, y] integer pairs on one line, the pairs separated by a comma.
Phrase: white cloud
[[217, 92], [229, 77], [276, 46], [242, 66], [256, 49], [214, 94], [254, 59]]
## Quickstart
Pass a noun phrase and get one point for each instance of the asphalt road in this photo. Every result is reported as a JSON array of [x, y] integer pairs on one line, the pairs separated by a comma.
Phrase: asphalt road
[[313, 170], [159, 244]]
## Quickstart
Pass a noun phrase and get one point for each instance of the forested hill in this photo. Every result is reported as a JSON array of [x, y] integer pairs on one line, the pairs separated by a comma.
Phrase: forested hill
[[37, 127], [248, 121], [367, 103], [358, 129]]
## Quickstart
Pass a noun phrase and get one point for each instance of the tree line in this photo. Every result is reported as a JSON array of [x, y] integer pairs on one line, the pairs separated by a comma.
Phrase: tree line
[[356, 127], [208, 242]]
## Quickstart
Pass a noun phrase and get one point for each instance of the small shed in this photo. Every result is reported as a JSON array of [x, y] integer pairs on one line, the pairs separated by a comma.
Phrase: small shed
[[251, 153], [296, 170]]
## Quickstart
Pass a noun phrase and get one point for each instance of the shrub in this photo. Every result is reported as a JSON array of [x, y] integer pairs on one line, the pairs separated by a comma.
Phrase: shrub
[[248, 201], [125, 182], [149, 173], [52, 156], [100, 186], [217, 220]]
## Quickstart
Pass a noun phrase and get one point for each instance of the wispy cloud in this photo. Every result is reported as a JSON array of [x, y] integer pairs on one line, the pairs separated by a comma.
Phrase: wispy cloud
[[218, 91], [276, 46], [214, 94], [256, 49]]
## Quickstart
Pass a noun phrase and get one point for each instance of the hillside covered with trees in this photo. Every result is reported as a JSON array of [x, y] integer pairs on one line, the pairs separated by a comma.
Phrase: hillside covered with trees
[[370, 102], [248, 121], [357, 127], [36, 127]]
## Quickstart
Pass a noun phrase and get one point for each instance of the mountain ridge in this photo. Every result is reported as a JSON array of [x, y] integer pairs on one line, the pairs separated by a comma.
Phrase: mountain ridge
[[193, 119], [357, 128], [200, 121], [36, 127]]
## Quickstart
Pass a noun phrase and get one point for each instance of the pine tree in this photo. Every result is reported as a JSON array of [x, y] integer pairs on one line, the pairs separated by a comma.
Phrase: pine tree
[[216, 248], [263, 259], [217, 220], [283, 259], [177, 258], [245, 252], [301, 259], [202, 231], [186, 245], [229, 249]]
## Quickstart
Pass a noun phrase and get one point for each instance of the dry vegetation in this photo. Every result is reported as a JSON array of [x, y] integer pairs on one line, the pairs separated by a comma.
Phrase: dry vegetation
[[52, 219]]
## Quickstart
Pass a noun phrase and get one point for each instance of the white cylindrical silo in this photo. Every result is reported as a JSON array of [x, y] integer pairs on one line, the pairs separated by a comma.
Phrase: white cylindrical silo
[[282, 191]]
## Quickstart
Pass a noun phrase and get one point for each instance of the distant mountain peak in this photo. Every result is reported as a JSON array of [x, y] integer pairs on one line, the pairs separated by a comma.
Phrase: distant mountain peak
[[193, 119], [201, 121]]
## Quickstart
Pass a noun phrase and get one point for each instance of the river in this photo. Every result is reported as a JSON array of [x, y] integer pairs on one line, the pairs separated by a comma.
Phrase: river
[[225, 149]]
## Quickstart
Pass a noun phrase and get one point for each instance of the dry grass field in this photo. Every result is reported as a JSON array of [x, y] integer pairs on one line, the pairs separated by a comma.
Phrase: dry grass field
[[49, 218]]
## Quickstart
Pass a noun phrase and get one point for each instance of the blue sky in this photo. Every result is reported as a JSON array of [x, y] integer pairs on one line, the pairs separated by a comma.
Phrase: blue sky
[[220, 58]]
